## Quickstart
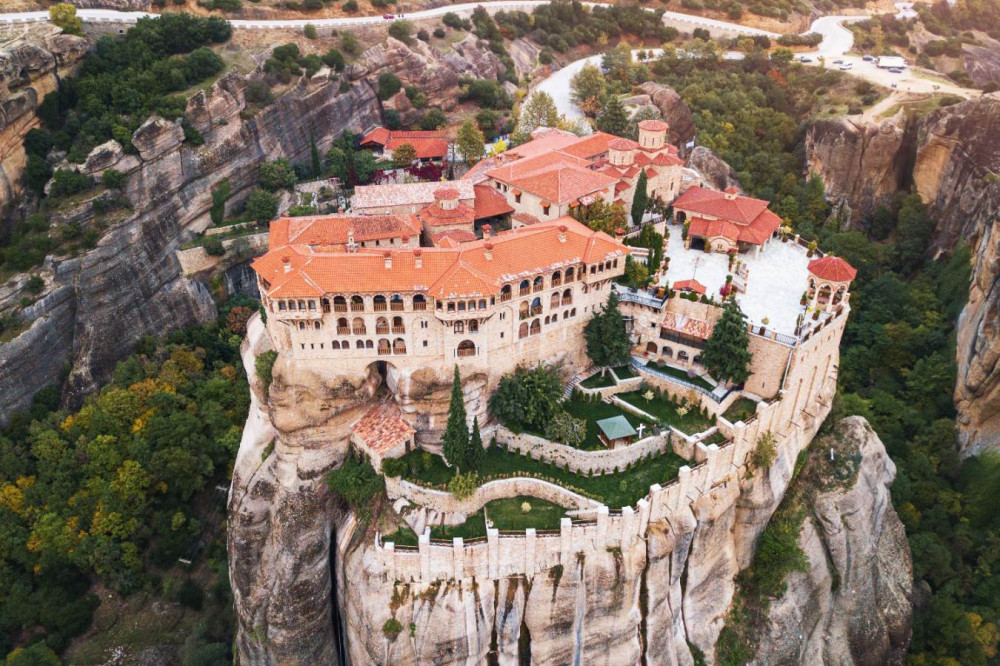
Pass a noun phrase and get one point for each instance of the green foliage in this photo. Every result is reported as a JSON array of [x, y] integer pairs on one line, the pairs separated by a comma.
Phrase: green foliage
[[567, 429], [356, 482], [404, 155], [388, 85], [464, 485], [392, 628], [726, 355], [527, 399], [602, 215], [487, 93], [113, 179], [126, 79], [613, 118], [394, 467], [220, 193], [93, 495], [277, 175], [433, 120], [641, 198], [636, 273], [401, 30], [766, 451], [607, 342], [352, 167], [67, 183], [471, 143], [264, 366], [310, 31], [214, 247], [34, 284], [350, 43], [261, 206], [455, 440], [64, 16]]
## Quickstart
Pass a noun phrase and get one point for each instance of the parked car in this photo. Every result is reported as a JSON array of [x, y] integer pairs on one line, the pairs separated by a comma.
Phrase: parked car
[[805, 59], [845, 66], [895, 70], [837, 61], [388, 16], [868, 58]]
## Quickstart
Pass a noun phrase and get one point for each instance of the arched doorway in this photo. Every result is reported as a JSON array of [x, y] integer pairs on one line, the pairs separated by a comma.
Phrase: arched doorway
[[383, 379]]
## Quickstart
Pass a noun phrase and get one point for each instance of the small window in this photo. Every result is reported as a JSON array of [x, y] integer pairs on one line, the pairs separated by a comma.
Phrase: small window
[[517, 198], [312, 305], [281, 306], [425, 343], [545, 210]]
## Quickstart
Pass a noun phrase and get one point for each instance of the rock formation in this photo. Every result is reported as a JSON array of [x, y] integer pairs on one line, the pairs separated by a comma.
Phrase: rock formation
[[952, 159], [30, 68], [853, 604], [981, 64], [717, 173], [674, 111]]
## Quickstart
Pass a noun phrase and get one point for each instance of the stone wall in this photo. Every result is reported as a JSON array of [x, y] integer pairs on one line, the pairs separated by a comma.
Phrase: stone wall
[[579, 461], [196, 259], [443, 501]]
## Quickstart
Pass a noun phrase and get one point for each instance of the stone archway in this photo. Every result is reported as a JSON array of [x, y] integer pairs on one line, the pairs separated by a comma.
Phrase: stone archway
[[383, 378]]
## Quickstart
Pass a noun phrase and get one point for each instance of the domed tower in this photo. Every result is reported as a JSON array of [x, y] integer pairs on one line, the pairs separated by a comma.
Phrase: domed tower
[[446, 198], [829, 283], [653, 134], [621, 152]]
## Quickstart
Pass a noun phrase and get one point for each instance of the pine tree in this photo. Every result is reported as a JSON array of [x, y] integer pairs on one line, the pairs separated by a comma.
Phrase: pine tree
[[317, 168], [640, 199], [474, 455], [455, 442], [608, 344], [613, 119], [727, 354]]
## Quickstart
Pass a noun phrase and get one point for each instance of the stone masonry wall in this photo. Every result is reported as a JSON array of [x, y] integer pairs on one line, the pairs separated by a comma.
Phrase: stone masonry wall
[[581, 462]]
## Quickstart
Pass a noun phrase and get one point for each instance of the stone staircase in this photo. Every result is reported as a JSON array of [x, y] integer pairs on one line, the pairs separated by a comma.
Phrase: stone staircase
[[570, 385]]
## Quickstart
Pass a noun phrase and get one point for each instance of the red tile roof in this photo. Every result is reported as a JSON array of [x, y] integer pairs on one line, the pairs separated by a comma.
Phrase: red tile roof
[[833, 269], [325, 230], [425, 148], [689, 285], [490, 203], [383, 428], [696, 328], [405, 194], [434, 215], [454, 235], [653, 125], [428, 144], [293, 271], [753, 222]]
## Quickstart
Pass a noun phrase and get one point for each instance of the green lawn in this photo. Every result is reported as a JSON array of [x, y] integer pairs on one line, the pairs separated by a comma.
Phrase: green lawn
[[715, 438], [597, 381], [740, 410], [616, 490], [691, 423], [624, 371], [508, 514], [592, 412], [681, 374]]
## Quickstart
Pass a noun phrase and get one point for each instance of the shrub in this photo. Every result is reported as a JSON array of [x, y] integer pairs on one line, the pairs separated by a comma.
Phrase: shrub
[[277, 175], [334, 59], [264, 367], [34, 284], [310, 31], [393, 467], [766, 452], [356, 482], [113, 179], [261, 206], [439, 32], [433, 119], [67, 183], [401, 30], [388, 85], [463, 485], [423, 35], [350, 6], [350, 43], [392, 628]]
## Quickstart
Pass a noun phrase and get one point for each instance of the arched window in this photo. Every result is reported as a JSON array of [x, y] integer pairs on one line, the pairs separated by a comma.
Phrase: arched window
[[302, 305], [317, 325], [399, 346], [379, 303], [291, 305], [539, 283], [567, 297], [565, 314], [369, 345], [384, 347], [472, 305], [397, 325], [466, 348], [339, 304], [358, 326], [473, 326], [381, 326], [360, 344], [547, 320], [343, 328], [482, 304], [523, 311], [536, 306], [650, 347], [682, 356], [459, 327], [505, 293], [522, 332], [302, 326], [419, 302], [554, 301], [557, 278], [396, 303], [326, 304], [335, 344], [525, 288], [667, 351], [357, 304], [569, 274], [461, 306], [572, 313], [536, 327]]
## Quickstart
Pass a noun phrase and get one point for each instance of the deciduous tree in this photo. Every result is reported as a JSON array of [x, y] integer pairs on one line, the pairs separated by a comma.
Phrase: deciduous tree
[[470, 142]]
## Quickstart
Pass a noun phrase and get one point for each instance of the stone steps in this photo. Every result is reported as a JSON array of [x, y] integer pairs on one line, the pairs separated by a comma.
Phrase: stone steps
[[570, 385]]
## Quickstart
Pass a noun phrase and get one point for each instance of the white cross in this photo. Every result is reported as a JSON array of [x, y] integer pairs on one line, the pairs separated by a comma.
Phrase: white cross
[[641, 427]]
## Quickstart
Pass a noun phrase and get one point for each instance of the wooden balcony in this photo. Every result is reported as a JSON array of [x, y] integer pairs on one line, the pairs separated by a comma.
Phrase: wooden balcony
[[396, 307], [380, 307], [343, 330], [399, 329], [419, 306]]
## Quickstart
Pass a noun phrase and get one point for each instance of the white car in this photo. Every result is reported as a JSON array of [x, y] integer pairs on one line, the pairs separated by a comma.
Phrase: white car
[[805, 59], [837, 61], [846, 66]]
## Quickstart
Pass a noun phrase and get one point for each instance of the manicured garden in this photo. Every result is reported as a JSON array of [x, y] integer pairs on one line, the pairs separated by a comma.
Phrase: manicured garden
[[623, 488], [592, 412], [598, 380], [682, 375], [624, 371], [509, 514], [689, 419], [741, 410]]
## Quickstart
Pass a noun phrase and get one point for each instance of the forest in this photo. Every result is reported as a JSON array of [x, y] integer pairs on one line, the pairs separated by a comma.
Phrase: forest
[[121, 495]]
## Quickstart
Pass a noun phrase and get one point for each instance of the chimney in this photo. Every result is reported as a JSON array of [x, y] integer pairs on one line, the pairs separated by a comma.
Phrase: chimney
[[562, 233], [388, 259], [286, 263], [487, 231], [489, 251], [731, 193], [418, 259]]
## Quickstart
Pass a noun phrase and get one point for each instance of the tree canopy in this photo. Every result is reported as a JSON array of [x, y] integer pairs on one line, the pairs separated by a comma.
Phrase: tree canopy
[[455, 440], [608, 344], [527, 398], [726, 355]]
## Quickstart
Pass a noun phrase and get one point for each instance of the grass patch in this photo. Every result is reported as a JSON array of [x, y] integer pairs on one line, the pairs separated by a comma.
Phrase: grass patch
[[682, 375], [597, 381], [691, 423], [624, 371], [403, 536], [715, 438], [740, 410], [509, 514], [624, 488], [592, 412]]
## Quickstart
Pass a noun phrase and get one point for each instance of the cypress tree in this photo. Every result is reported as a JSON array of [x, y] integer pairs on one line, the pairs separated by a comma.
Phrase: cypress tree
[[727, 354], [317, 168], [607, 342], [455, 442], [640, 199], [613, 119], [474, 456]]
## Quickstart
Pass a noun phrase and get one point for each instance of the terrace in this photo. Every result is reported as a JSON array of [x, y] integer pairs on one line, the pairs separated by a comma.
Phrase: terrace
[[775, 278]]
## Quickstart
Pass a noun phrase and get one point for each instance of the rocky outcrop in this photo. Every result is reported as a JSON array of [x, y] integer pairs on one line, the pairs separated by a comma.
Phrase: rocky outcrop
[[981, 64], [853, 604], [673, 110], [861, 162], [30, 68], [716, 172], [131, 285]]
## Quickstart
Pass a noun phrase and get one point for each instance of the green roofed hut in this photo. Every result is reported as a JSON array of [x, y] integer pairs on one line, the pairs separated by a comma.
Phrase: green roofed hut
[[616, 431]]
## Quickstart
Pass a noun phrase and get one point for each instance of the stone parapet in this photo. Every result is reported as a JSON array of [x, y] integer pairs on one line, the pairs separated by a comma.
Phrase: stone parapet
[[577, 460]]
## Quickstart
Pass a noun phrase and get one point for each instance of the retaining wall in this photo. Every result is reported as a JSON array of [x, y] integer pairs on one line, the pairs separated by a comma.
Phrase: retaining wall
[[581, 462], [444, 502]]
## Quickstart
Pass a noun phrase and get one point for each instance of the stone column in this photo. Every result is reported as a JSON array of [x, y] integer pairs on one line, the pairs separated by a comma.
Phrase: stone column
[[389, 561], [602, 526], [529, 551], [565, 541], [424, 547], [711, 460], [458, 544], [628, 527], [655, 503], [684, 481], [493, 551], [644, 509]]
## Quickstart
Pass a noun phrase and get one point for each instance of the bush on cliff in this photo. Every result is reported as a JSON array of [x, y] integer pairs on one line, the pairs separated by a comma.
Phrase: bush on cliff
[[264, 367], [357, 483], [527, 398]]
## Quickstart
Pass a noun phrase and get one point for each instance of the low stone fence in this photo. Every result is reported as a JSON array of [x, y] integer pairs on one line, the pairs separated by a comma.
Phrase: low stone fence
[[581, 462], [622, 386], [444, 502], [196, 259]]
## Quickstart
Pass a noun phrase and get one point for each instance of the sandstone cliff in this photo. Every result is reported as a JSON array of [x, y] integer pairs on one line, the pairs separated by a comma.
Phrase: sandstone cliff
[[853, 604], [30, 68], [952, 159]]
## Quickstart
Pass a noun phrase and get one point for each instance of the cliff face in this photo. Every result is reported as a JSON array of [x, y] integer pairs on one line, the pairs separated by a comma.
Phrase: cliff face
[[30, 68], [953, 161], [131, 285], [853, 604]]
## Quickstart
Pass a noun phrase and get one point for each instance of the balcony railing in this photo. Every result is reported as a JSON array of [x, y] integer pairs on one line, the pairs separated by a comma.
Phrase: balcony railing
[[384, 351], [379, 330], [380, 307], [344, 330], [399, 350], [399, 329], [466, 352], [504, 297], [360, 330], [556, 282], [357, 307], [539, 287], [396, 306], [524, 291], [419, 305], [340, 307]]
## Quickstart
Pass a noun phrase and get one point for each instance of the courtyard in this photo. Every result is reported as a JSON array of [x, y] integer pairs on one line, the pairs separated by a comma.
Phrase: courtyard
[[775, 280]]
